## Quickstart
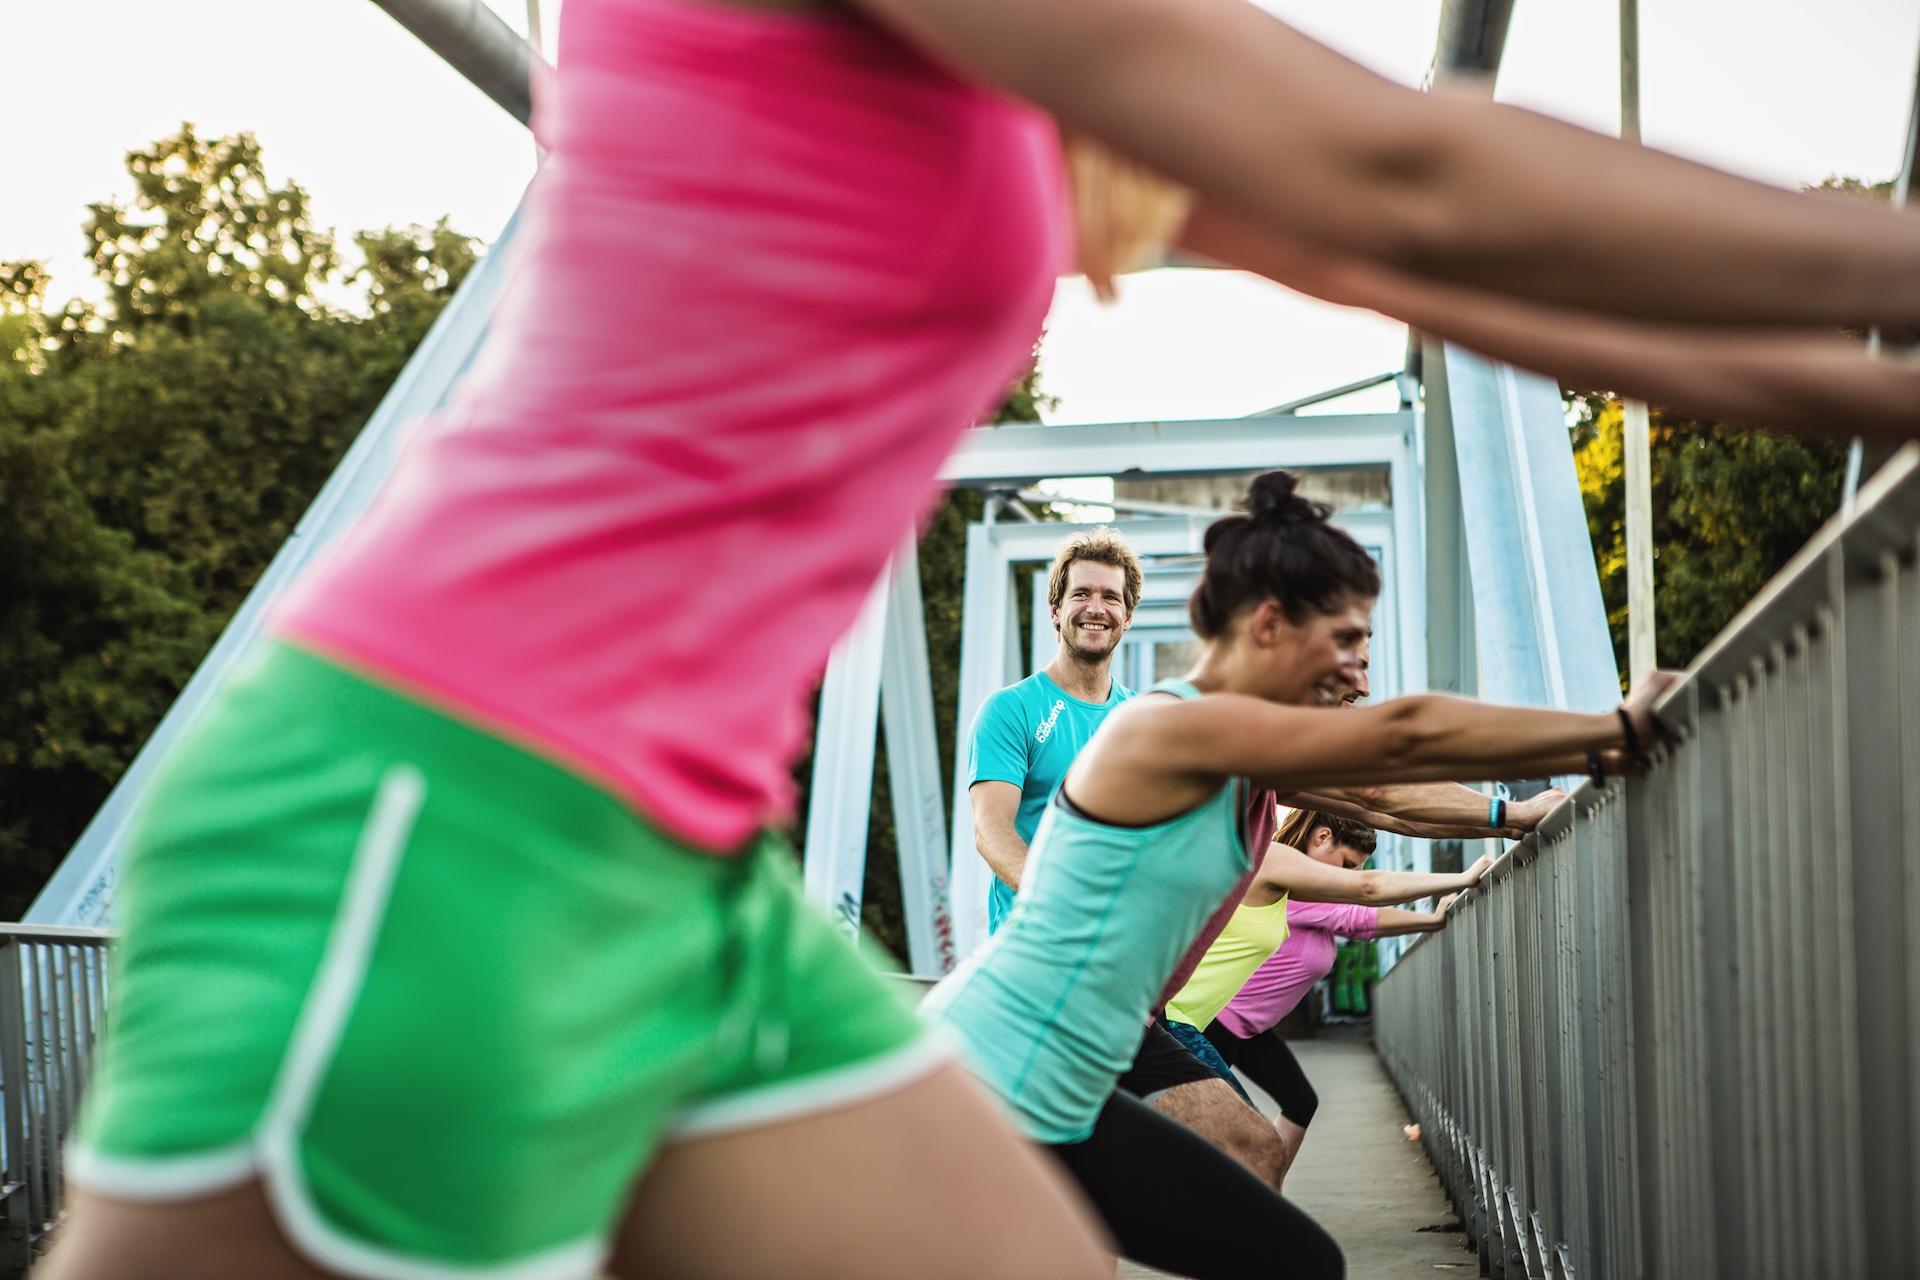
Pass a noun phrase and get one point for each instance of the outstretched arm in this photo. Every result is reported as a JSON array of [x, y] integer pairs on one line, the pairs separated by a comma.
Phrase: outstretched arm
[[1265, 123], [1158, 756], [1394, 921], [1422, 738], [1818, 383], [1406, 826], [1287, 870], [1429, 810]]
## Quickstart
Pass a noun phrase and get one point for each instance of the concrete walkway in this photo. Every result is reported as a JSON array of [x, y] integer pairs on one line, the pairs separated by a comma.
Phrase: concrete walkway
[[1361, 1178]]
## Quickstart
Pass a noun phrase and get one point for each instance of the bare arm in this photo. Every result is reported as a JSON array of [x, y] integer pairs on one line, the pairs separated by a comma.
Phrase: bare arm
[[1820, 383], [994, 806], [1439, 802], [1395, 921], [1287, 870], [1399, 826], [1429, 810], [1155, 757], [1263, 122], [1422, 738]]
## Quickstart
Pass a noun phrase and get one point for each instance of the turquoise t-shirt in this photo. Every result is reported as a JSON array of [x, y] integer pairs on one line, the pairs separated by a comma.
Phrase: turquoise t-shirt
[[1027, 734], [1050, 1010]]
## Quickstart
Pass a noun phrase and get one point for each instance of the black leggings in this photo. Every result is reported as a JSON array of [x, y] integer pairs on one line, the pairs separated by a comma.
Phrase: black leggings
[[1266, 1060], [1173, 1200]]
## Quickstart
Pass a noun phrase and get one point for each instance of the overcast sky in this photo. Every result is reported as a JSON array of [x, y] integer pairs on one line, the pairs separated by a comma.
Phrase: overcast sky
[[381, 132]]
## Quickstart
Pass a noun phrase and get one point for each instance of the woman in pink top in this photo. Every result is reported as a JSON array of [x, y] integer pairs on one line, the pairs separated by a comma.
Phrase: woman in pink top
[[458, 920], [1244, 1030], [454, 943]]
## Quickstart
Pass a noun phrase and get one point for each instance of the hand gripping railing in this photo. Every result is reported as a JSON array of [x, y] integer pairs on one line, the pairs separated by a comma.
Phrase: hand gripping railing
[[1676, 1033], [53, 988]]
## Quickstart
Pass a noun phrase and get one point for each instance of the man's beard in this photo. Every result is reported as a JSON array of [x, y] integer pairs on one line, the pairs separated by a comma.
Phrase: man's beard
[[1090, 656]]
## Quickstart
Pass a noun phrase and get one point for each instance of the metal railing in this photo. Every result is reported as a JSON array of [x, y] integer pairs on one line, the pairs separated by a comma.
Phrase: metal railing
[[1676, 1033], [53, 991]]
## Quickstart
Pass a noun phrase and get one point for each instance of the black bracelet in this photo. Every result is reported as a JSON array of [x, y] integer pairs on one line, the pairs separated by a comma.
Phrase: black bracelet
[[1633, 734], [1594, 770]]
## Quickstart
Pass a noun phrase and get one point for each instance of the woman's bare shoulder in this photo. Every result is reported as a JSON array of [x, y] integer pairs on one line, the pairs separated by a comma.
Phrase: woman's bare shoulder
[[1175, 731]]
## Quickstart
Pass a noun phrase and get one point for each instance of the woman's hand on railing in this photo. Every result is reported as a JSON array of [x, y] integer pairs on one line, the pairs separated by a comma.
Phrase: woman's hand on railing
[[1639, 729], [1470, 878], [1522, 816], [1648, 688]]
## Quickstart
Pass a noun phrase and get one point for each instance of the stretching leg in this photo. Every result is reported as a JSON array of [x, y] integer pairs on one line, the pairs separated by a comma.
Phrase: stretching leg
[[103, 1238], [1176, 1203], [1269, 1063], [1168, 1076], [868, 1190], [1213, 1110]]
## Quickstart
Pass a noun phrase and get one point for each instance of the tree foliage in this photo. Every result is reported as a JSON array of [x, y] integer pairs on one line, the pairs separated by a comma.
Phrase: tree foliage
[[157, 449], [1730, 506]]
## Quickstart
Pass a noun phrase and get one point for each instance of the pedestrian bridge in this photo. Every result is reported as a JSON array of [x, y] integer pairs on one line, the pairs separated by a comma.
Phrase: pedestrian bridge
[[1675, 1033]]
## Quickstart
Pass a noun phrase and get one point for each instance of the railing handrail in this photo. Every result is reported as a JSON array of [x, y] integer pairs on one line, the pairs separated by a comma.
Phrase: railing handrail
[[14, 932], [1676, 1030], [1883, 519], [53, 993]]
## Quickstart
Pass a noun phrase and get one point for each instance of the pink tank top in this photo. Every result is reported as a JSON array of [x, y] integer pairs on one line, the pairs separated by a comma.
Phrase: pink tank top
[[1285, 977], [773, 265]]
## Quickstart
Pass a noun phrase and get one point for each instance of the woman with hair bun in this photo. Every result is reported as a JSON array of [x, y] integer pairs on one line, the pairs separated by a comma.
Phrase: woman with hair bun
[[781, 253], [1146, 837]]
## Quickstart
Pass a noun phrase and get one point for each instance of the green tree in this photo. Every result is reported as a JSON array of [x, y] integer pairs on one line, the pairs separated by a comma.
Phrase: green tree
[[409, 273], [97, 634], [156, 450], [206, 221], [229, 374], [1730, 506]]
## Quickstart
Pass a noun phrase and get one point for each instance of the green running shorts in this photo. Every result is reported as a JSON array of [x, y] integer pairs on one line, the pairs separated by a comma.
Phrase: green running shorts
[[443, 997]]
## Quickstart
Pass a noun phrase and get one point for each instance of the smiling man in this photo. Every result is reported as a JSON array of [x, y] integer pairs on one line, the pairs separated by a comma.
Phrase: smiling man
[[1028, 733]]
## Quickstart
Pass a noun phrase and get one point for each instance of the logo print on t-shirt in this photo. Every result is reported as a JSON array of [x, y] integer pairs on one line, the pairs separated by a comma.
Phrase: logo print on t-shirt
[[1045, 730]]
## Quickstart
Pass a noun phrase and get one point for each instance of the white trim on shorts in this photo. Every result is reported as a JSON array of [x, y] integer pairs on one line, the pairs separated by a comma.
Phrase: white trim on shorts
[[316, 1036], [148, 1178], [821, 1091], [273, 1150]]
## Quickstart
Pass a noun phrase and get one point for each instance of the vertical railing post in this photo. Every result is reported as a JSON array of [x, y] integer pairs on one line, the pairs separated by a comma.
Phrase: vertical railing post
[[1681, 1025], [16, 1210], [52, 995], [1882, 733]]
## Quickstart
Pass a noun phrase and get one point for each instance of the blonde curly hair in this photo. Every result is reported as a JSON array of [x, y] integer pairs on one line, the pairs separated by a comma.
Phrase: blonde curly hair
[[1102, 544]]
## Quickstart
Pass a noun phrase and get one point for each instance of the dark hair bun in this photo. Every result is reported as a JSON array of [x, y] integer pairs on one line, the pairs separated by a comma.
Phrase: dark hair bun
[[1272, 499], [1284, 549]]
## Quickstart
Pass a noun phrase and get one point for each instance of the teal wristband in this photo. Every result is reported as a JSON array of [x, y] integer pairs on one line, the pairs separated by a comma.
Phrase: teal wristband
[[1496, 810]]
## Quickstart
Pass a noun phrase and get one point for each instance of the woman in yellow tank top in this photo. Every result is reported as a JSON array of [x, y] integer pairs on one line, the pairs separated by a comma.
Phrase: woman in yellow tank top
[[1264, 926], [1259, 924]]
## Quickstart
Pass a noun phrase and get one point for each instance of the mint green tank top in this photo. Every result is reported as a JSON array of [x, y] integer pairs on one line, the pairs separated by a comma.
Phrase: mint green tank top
[[1051, 1010]]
